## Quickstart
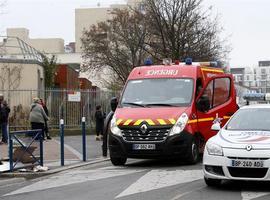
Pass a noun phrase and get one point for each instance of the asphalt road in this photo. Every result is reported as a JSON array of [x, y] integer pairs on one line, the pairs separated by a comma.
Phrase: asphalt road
[[146, 180]]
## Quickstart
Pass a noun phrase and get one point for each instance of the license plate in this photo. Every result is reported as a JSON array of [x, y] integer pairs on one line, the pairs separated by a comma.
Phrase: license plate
[[247, 163], [144, 146]]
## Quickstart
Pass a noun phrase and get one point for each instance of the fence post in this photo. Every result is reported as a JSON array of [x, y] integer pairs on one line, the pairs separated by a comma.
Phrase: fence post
[[41, 148], [83, 139], [10, 145], [62, 142]]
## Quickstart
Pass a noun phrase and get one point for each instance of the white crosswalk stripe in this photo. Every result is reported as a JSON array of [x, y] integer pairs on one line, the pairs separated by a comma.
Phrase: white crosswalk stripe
[[149, 181], [73, 177], [252, 195], [157, 179]]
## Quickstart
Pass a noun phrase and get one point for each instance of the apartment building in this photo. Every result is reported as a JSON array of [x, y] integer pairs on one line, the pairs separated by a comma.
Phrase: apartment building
[[256, 78]]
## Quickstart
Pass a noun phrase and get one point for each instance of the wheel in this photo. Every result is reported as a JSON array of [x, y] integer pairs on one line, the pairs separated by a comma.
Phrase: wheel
[[117, 161], [193, 152], [212, 182]]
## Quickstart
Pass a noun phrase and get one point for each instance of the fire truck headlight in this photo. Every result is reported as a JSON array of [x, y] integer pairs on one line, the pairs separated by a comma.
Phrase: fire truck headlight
[[179, 125], [114, 128]]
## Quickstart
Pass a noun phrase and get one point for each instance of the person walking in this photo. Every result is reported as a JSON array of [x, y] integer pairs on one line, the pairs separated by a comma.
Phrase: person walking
[[37, 116], [46, 129], [5, 110], [99, 116]]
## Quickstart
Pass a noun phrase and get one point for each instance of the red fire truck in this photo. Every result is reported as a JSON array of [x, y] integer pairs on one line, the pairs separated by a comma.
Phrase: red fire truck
[[167, 111]]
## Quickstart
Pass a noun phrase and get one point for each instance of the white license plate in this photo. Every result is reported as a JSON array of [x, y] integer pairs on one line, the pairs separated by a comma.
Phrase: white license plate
[[247, 163], [144, 146]]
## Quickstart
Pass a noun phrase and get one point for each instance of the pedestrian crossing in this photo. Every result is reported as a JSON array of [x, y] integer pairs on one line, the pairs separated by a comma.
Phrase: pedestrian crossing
[[147, 180]]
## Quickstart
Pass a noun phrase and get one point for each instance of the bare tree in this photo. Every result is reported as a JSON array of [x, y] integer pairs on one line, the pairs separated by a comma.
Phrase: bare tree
[[117, 43], [183, 28], [10, 76], [159, 29]]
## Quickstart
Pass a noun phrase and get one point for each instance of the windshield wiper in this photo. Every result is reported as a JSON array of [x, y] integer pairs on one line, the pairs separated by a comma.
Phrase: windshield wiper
[[134, 104], [160, 104]]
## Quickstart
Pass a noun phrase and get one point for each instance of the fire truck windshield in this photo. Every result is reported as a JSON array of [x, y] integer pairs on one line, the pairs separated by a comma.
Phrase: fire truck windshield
[[158, 92]]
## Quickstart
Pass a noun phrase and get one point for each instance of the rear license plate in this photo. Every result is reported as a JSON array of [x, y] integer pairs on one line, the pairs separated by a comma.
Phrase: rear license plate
[[247, 163], [144, 146]]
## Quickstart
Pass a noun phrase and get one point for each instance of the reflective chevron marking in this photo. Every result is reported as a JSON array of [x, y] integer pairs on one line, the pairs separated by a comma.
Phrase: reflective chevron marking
[[138, 122], [161, 121], [127, 122], [172, 121], [119, 121]]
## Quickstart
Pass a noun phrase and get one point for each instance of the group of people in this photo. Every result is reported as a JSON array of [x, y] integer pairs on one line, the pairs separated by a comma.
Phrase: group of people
[[39, 117], [4, 113]]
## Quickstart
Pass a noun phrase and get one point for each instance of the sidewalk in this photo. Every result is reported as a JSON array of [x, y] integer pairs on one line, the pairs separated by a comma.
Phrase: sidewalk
[[73, 152]]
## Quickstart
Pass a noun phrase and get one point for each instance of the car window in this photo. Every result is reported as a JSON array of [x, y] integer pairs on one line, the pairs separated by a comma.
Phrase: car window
[[218, 91], [250, 119], [221, 91]]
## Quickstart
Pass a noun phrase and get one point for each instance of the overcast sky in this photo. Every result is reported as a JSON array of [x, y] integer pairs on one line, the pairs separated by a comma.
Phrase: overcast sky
[[245, 21]]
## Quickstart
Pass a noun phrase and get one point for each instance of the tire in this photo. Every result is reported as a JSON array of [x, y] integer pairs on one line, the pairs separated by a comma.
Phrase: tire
[[193, 152], [212, 182], [118, 161]]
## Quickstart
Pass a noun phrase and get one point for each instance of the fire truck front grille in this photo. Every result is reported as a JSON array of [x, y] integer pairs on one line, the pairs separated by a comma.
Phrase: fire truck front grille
[[154, 134]]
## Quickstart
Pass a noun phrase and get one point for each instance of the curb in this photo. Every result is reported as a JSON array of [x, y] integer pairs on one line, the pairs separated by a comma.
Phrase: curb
[[31, 175]]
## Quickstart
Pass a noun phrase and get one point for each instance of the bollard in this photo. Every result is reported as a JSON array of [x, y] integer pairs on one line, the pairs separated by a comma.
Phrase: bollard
[[41, 148], [62, 142], [10, 145], [83, 139]]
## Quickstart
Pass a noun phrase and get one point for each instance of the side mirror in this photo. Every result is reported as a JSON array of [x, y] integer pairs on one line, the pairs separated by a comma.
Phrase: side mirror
[[114, 103], [203, 104], [215, 127]]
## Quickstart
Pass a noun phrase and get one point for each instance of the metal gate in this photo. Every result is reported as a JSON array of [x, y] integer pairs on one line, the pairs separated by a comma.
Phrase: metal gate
[[71, 104]]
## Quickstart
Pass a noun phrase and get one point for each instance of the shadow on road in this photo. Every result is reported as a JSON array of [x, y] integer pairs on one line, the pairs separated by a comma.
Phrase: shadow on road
[[161, 163]]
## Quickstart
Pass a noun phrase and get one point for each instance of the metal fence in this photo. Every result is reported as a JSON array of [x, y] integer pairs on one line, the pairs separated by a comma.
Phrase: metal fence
[[72, 105]]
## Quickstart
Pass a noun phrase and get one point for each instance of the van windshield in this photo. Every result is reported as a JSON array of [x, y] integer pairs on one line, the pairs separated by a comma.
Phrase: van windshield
[[158, 92]]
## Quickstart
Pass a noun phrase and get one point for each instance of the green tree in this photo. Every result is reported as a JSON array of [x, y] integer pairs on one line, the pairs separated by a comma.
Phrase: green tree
[[49, 64]]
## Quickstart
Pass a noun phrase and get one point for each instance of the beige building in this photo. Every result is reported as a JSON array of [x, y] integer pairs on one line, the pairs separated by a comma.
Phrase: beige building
[[44, 45], [86, 17]]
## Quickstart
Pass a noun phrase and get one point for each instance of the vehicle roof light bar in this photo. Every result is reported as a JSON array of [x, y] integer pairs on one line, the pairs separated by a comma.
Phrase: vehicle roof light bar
[[256, 97], [167, 61]]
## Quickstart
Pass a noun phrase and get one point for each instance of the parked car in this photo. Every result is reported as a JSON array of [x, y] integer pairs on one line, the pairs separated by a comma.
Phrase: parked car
[[241, 149]]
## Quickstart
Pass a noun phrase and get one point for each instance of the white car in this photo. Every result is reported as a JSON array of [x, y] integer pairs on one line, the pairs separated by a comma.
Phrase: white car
[[241, 149]]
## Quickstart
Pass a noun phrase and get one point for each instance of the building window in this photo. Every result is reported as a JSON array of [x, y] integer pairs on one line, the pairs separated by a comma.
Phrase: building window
[[263, 76]]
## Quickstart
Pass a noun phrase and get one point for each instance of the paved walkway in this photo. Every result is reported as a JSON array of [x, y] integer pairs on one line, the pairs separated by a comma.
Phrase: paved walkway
[[73, 150]]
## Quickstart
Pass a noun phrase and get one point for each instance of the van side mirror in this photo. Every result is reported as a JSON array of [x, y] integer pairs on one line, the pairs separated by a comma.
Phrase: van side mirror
[[203, 104], [215, 127], [114, 102]]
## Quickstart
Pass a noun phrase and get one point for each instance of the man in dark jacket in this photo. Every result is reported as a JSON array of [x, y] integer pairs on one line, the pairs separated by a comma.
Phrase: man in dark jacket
[[99, 115], [4, 112]]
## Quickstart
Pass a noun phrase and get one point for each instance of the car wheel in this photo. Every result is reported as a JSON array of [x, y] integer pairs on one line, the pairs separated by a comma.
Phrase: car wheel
[[193, 152], [118, 161], [212, 182]]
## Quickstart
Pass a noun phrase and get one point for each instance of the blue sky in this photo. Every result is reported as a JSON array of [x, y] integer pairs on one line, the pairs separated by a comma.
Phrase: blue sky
[[246, 22]]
